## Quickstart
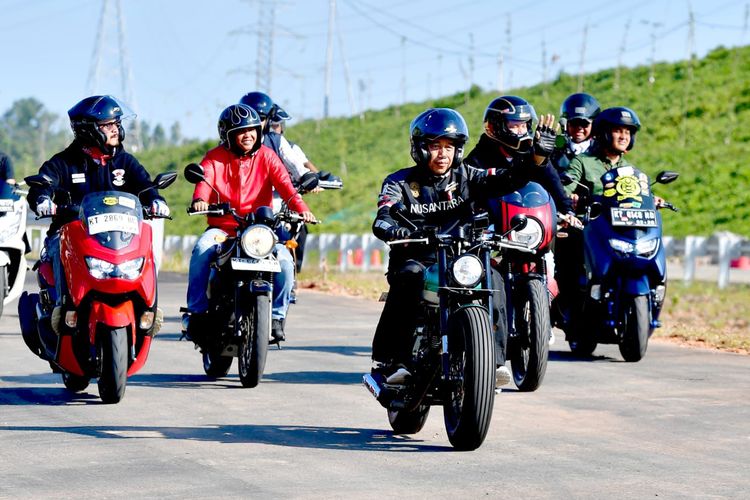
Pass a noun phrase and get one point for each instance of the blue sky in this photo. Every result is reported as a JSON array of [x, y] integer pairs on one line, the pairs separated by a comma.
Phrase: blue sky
[[191, 58]]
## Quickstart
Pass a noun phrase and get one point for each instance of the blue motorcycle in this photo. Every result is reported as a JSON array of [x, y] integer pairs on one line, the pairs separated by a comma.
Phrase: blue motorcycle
[[625, 266]]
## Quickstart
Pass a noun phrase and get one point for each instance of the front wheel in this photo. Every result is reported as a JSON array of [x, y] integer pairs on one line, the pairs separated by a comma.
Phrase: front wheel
[[468, 411], [635, 338], [256, 325], [112, 347], [530, 349], [408, 422]]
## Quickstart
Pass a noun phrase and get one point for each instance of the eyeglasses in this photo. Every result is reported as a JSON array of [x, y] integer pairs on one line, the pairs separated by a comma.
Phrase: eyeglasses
[[108, 125], [579, 123]]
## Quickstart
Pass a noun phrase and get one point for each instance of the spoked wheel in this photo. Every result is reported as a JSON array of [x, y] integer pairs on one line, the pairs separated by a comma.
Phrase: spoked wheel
[[468, 412], [408, 422], [256, 330], [214, 364], [75, 383], [635, 339], [528, 357], [112, 347]]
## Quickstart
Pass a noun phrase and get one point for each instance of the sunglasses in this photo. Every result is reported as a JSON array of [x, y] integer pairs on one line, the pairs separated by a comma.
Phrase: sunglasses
[[579, 123]]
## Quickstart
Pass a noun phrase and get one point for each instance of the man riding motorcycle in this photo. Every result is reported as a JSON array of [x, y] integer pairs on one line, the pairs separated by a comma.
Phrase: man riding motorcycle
[[510, 145], [437, 191], [577, 114], [94, 161], [243, 172]]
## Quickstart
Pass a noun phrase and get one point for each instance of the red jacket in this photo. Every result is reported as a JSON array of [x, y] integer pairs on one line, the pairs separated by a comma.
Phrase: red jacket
[[245, 182]]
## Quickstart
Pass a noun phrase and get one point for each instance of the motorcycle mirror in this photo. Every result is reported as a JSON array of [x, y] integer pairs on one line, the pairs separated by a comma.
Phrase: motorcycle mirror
[[38, 181], [666, 176], [308, 182], [518, 222], [165, 179], [397, 209], [194, 173]]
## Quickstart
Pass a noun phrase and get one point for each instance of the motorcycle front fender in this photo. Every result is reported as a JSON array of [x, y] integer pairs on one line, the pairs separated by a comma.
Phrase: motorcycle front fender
[[261, 286], [636, 285], [118, 316]]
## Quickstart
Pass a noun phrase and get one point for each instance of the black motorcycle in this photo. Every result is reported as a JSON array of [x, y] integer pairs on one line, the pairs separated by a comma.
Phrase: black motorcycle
[[238, 322], [453, 359]]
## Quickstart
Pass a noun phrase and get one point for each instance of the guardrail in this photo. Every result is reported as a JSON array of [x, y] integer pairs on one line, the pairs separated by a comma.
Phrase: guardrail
[[364, 252]]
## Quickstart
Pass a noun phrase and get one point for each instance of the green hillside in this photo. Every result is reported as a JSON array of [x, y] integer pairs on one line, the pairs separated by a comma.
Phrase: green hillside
[[698, 125]]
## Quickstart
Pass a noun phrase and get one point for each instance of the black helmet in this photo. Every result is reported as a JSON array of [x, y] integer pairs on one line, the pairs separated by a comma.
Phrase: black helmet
[[437, 123], [235, 118], [88, 113], [264, 106], [615, 117], [579, 106], [510, 108]]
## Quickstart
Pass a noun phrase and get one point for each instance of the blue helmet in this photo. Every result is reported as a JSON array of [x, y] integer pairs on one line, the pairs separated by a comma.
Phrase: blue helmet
[[86, 115], [615, 117], [235, 118], [434, 124]]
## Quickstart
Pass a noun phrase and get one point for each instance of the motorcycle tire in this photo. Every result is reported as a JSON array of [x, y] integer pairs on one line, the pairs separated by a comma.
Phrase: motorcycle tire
[[634, 341], [214, 364], [529, 354], [27, 303], [468, 411], [75, 383], [112, 347], [253, 349], [3, 284], [408, 422]]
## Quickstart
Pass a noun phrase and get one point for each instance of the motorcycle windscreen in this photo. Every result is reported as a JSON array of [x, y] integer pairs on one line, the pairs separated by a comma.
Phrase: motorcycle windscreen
[[627, 198], [531, 195], [8, 197], [112, 217]]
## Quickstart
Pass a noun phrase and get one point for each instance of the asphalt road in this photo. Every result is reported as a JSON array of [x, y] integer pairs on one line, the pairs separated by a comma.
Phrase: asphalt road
[[677, 424]]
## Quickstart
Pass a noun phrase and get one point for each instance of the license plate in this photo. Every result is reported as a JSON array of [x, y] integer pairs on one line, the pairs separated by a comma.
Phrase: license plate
[[113, 222], [267, 265], [6, 205], [634, 217]]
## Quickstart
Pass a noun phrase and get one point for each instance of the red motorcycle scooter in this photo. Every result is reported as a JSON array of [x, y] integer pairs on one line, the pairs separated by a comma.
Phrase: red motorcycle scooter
[[528, 285], [109, 317]]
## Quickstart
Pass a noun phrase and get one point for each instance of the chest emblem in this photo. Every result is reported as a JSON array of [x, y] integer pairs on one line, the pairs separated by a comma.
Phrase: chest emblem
[[414, 186], [119, 177]]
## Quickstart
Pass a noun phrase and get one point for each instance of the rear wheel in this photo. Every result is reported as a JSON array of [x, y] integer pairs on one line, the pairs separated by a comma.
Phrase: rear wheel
[[408, 422], [112, 346], [635, 339], [75, 383], [254, 347], [529, 354], [468, 411], [214, 364]]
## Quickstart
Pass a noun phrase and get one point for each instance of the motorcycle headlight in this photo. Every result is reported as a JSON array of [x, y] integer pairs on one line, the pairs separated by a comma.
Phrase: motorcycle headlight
[[531, 235], [101, 269], [467, 270], [621, 246], [647, 248], [258, 241]]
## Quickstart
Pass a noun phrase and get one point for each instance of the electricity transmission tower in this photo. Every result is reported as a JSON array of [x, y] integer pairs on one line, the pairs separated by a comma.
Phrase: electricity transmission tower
[[110, 60]]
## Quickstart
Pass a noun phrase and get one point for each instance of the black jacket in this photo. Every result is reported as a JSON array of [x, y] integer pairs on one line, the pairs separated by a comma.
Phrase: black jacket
[[74, 174], [430, 200], [518, 172]]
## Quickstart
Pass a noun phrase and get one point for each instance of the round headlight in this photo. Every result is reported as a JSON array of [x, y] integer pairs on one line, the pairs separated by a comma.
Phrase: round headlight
[[258, 241], [467, 270], [531, 235]]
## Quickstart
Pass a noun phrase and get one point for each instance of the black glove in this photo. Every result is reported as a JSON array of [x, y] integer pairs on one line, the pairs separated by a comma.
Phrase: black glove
[[544, 142], [397, 233]]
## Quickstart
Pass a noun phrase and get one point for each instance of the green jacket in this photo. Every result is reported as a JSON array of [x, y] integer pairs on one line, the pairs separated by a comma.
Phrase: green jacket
[[588, 168]]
